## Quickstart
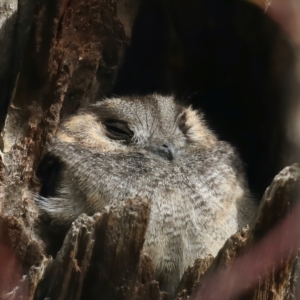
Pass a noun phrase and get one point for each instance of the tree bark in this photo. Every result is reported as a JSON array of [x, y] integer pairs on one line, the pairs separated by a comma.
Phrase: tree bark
[[73, 52]]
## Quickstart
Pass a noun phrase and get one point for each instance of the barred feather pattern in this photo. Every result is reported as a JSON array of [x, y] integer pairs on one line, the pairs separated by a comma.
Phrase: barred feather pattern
[[199, 196]]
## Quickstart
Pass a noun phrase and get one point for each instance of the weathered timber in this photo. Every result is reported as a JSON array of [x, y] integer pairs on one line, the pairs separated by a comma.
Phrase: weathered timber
[[19, 255], [72, 56], [102, 255], [73, 52], [102, 258]]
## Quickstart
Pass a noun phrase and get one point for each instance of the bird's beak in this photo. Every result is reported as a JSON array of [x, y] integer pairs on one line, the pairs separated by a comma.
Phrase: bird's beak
[[166, 150]]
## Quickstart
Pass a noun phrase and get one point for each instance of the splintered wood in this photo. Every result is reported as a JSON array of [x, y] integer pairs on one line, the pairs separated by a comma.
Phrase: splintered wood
[[72, 55]]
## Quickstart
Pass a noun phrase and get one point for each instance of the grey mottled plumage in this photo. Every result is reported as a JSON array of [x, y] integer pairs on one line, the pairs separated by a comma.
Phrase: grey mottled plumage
[[153, 148]]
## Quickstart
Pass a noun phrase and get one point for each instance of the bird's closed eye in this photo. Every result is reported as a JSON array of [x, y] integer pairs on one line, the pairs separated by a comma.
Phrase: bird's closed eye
[[118, 130]]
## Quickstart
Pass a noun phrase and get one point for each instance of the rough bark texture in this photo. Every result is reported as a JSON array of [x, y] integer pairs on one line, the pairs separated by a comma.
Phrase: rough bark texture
[[73, 52], [101, 255]]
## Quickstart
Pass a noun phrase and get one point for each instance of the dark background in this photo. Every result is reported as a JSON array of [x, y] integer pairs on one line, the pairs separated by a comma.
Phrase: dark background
[[226, 58]]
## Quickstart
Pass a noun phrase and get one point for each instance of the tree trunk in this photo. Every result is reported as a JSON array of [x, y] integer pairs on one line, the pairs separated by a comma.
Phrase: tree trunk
[[73, 52]]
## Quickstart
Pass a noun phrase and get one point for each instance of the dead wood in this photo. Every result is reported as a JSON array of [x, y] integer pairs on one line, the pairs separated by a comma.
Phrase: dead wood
[[72, 55], [101, 255]]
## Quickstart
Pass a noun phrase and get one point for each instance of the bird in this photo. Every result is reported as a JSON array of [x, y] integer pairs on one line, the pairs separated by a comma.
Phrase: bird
[[156, 148]]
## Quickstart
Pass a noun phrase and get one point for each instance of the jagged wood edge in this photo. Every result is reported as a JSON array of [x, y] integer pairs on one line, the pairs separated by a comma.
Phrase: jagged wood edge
[[102, 255], [64, 57], [123, 228]]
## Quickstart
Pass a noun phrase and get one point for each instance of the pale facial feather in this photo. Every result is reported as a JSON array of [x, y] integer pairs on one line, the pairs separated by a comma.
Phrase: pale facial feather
[[155, 123]]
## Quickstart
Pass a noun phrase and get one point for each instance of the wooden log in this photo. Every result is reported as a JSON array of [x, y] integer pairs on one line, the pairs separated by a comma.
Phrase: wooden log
[[74, 50], [102, 255]]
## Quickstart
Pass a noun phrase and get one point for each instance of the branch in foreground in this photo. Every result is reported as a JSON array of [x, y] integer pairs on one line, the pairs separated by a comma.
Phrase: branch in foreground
[[101, 255]]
